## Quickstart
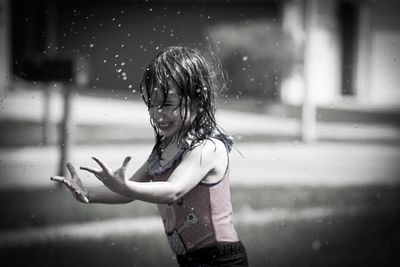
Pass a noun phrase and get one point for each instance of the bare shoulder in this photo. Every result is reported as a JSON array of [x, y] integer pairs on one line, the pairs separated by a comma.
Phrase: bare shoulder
[[212, 158], [210, 150]]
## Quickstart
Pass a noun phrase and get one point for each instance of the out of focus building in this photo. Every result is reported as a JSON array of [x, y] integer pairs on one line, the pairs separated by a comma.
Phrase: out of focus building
[[349, 50], [355, 50]]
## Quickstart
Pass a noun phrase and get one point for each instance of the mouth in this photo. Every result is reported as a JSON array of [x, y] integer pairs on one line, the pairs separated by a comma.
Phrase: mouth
[[163, 125]]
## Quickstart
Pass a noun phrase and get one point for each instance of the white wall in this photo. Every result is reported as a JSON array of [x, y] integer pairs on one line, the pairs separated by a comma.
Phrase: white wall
[[325, 70], [385, 67], [385, 54], [323, 59]]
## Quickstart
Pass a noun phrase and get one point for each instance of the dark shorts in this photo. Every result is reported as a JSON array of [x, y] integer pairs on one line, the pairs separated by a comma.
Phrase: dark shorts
[[223, 254]]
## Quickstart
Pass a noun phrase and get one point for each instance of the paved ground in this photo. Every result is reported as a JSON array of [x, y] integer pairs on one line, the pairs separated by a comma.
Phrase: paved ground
[[288, 163], [356, 153]]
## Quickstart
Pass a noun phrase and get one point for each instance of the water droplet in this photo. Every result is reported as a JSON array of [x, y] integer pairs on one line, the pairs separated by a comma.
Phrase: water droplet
[[316, 245]]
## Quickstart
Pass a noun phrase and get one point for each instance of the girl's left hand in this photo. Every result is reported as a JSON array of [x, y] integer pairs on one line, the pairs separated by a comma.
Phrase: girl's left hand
[[114, 180]]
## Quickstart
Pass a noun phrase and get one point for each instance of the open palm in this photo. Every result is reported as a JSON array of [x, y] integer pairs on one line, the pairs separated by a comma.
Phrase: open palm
[[114, 180], [74, 184]]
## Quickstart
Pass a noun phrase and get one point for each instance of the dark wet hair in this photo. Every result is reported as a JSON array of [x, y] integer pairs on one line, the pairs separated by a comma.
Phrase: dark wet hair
[[197, 77]]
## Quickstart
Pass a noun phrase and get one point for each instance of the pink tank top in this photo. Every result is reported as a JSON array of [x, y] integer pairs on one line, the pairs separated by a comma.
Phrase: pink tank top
[[202, 217]]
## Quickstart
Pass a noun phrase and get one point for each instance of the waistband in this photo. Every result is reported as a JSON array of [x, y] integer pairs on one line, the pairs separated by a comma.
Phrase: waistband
[[222, 249]]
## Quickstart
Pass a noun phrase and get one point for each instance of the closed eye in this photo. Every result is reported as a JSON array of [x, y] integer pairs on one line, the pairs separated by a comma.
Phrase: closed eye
[[157, 106]]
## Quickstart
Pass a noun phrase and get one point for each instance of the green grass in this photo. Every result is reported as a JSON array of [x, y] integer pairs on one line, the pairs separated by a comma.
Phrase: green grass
[[368, 237], [31, 208], [139, 250], [25, 208], [363, 240]]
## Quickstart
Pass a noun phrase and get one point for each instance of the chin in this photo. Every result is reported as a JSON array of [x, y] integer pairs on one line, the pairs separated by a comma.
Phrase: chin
[[168, 133]]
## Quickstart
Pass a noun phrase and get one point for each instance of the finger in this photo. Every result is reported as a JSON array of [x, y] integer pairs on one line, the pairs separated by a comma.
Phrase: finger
[[102, 165], [65, 182], [77, 193], [57, 178], [81, 196], [85, 199], [125, 164], [71, 170], [62, 180], [95, 172], [68, 183]]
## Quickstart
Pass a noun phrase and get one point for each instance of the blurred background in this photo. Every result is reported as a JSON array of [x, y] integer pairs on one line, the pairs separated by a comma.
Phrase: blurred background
[[313, 103]]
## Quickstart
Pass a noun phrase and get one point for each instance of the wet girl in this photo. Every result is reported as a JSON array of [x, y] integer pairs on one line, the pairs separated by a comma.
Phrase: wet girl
[[187, 173]]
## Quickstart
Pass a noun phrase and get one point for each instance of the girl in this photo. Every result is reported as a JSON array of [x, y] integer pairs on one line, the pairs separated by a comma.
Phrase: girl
[[187, 173]]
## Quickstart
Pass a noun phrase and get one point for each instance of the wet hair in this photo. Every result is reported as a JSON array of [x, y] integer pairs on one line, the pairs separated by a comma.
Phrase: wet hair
[[197, 77]]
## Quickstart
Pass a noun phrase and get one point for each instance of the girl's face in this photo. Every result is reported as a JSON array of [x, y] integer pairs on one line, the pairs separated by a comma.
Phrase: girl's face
[[167, 116]]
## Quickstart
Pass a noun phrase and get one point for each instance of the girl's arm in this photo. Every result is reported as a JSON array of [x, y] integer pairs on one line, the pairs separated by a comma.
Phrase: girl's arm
[[207, 159], [101, 194]]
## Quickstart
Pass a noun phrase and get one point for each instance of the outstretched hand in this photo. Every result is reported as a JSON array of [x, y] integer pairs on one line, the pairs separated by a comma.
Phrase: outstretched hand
[[114, 180], [74, 184]]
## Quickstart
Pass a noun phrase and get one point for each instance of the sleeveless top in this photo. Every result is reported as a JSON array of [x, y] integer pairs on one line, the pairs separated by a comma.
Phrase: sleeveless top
[[202, 217]]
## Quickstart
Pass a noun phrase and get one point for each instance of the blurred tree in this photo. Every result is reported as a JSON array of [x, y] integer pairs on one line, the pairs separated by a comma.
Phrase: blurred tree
[[257, 57]]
